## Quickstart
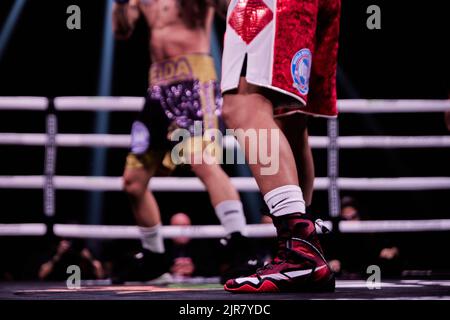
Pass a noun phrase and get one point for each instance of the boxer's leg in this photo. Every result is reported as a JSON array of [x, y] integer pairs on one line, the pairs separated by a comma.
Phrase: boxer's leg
[[299, 264], [238, 258], [143, 203], [249, 109], [148, 147], [223, 195], [295, 129], [151, 262]]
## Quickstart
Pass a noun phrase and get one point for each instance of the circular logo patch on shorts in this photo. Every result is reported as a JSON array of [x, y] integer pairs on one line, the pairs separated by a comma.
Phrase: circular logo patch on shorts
[[301, 70], [140, 138]]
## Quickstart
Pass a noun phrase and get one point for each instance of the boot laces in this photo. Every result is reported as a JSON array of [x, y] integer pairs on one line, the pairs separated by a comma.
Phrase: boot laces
[[269, 266], [282, 256]]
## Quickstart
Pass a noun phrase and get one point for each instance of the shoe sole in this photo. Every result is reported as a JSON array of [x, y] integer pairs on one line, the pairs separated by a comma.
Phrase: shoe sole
[[270, 287]]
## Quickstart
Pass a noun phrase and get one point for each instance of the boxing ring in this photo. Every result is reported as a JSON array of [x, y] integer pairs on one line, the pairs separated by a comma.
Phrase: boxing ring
[[49, 182]]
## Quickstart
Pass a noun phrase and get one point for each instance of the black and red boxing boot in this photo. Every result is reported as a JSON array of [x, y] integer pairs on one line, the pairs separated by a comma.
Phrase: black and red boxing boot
[[141, 267], [299, 265], [239, 258]]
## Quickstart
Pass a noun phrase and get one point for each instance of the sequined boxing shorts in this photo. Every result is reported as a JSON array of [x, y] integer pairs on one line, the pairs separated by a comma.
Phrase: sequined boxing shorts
[[183, 93], [289, 46]]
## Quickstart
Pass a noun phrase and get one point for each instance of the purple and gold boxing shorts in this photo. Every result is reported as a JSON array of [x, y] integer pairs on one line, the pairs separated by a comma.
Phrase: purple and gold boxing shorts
[[183, 92]]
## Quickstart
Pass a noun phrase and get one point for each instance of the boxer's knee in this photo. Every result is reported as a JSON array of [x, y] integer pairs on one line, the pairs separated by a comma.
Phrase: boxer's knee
[[133, 184], [206, 171], [238, 110], [229, 111]]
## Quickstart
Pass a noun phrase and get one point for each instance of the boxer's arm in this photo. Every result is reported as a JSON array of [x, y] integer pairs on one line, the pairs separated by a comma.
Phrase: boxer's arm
[[125, 15], [220, 6]]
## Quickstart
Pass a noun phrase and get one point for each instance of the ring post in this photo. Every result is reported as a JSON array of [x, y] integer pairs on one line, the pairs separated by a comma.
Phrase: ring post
[[334, 202], [49, 167]]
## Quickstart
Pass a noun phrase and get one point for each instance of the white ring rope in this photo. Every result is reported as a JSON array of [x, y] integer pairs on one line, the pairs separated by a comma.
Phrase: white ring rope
[[136, 103], [394, 226], [23, 229], [124, 140], [395, 184], [23, 103], [216, 231], [99, 103], [353, 106], [172, 184], [68, 140], [356, 142], [132, 232], [392, 106]]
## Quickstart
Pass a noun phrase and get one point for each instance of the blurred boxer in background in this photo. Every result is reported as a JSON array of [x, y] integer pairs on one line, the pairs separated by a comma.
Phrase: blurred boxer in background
[[183, 91]]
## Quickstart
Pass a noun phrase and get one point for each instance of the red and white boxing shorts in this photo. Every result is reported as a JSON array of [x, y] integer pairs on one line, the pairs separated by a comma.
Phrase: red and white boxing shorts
[[291, 48]]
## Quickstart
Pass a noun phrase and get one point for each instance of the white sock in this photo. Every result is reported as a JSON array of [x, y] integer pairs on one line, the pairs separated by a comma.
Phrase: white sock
[[152, 239], [231, 216], [285, 200]]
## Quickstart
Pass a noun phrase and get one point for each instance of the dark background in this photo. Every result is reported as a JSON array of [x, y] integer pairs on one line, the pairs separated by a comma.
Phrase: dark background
[[407, 59]]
